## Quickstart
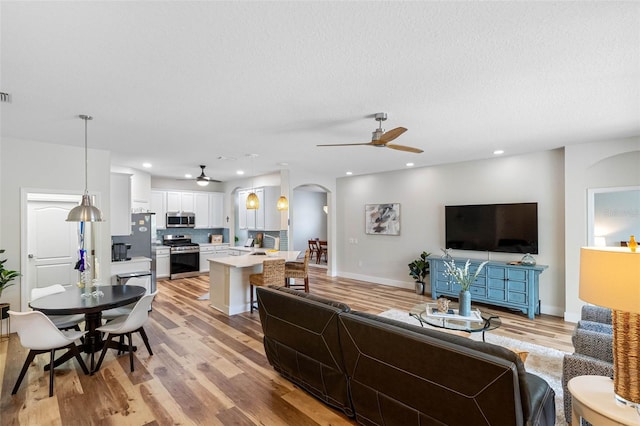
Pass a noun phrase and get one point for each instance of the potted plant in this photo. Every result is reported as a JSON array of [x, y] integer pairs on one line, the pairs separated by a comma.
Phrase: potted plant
[[419, 269], [464, 278], [6, 275]]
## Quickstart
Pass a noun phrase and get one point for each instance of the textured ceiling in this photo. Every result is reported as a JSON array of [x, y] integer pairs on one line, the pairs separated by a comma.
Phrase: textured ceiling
[[182, 83]]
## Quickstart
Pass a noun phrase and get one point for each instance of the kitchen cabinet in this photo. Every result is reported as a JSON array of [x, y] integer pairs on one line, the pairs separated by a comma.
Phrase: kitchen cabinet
[[159, 207], [208, 206], [209, 251], [267, 216], [209, 209], [163, 266], [120, 217], [180, 201], [499, 283]]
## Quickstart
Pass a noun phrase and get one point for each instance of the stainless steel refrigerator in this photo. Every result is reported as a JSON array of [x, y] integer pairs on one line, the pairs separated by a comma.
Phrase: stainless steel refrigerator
[[143, 234]]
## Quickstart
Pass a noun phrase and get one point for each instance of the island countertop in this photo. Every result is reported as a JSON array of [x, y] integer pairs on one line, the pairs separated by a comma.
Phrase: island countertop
[[249, 260]]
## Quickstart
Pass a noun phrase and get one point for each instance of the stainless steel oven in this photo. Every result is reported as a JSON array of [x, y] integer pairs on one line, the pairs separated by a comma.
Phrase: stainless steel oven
[[181, 220], [184, 256]]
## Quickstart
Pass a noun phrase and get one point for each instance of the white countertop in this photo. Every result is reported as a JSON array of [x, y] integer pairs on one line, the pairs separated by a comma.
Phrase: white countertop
[[212, 244], [253, 260]]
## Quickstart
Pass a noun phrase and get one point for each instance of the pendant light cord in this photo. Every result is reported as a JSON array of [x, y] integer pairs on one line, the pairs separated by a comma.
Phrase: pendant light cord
[[86, 160]]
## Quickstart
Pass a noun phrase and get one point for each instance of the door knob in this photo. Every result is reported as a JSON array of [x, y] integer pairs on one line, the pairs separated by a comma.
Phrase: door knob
[[30, 256]]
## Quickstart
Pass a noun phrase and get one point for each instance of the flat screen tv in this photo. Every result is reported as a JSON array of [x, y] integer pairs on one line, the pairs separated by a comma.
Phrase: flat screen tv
[[508, 228]]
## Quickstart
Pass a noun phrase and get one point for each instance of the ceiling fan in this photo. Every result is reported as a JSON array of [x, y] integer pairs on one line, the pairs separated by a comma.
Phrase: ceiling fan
[[381, 139], [203, 180]]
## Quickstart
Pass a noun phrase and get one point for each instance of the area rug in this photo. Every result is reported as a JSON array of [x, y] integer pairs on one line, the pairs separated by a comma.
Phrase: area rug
[[542, 361]]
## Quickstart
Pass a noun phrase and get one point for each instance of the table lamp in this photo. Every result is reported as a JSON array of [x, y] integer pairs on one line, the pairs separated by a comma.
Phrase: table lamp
[[610, 277]]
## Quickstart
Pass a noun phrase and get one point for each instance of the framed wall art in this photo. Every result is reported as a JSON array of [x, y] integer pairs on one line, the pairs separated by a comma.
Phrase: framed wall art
[[382, 219]]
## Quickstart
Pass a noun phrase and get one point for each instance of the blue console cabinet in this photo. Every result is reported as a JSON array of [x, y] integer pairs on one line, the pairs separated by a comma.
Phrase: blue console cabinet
[[500, 284]]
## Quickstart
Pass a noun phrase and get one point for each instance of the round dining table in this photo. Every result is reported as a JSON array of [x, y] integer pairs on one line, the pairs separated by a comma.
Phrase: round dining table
[[79, 301]]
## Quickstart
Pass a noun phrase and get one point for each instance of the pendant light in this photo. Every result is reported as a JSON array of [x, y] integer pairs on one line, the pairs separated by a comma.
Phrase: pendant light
[[253, 202], [283, 203], [85, 212]]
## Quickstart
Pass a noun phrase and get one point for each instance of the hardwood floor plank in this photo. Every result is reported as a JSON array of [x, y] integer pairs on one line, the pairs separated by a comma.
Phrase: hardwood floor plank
[[207, 367]]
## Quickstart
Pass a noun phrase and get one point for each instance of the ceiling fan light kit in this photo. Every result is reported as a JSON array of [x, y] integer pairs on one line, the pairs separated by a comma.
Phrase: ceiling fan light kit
[[85, 212], [202, 180], [381, 139]]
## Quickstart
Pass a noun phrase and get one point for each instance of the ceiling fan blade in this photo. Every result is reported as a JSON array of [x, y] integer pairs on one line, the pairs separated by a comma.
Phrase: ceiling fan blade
[[346, 144], [405, 148], [392, 134]]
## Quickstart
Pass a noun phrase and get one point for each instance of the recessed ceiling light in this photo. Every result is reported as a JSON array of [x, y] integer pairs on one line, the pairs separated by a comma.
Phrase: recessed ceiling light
[[283, 164], [349, 173], [188, 176], [409, 164], [146, 165], [498, 152], [240, 172]]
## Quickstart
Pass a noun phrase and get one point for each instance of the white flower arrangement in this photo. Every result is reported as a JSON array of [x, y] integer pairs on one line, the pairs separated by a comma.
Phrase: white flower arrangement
[[462, 275]]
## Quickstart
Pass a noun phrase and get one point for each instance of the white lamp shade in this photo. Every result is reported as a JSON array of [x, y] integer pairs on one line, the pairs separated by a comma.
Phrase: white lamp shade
[[610, 277]]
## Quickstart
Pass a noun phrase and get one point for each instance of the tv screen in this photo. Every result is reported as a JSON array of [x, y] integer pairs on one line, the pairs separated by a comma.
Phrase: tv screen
[[508, 228]]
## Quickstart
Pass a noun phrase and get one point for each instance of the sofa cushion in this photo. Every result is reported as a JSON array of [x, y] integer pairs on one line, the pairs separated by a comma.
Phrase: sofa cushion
[[301, 342], [404, 372]]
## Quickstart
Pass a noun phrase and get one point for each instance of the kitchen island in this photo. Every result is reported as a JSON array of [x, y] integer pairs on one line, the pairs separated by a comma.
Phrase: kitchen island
[[229, 279]]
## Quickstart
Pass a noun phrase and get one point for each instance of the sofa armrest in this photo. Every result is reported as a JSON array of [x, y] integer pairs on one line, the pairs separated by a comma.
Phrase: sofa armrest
[[593, 344], [574, 365], [598, 327], [596, 314]]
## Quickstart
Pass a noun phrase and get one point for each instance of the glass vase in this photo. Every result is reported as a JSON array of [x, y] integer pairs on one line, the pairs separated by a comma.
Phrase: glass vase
[[464, 302]]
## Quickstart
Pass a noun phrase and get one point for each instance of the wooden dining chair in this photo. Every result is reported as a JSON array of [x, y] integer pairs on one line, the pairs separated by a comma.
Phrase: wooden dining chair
[[272, 274], [295, 270], [40, 335], [322, 251], [314, 249]]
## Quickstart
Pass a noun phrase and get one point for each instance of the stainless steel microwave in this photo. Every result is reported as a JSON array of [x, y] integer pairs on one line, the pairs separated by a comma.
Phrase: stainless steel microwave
[[181, 220]]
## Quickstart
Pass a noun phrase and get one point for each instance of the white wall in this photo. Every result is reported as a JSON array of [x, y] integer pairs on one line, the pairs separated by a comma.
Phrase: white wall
[[310, 220], [47, 167], [591, 165], [423, 193]]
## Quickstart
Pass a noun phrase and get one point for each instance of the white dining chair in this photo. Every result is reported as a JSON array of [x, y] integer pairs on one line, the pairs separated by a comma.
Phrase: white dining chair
[[63, 322], [40, 335], [126, 326], [111, 314]]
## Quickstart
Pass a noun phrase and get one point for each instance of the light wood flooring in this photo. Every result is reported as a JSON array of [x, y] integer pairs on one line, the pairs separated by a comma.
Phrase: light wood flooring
[[207, 368]]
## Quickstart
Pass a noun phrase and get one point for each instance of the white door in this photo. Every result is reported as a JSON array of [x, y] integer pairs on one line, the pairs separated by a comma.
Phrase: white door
[[52, 244]]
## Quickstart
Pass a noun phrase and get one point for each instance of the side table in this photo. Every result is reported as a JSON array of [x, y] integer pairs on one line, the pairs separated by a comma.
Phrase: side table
[[593, 400], [4, 315]]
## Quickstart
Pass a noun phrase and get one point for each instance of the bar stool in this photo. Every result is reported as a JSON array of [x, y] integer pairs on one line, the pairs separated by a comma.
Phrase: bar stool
[[298, 270], [272, 274]]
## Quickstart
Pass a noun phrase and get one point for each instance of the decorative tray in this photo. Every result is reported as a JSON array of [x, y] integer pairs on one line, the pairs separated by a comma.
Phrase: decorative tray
[[432, 311]]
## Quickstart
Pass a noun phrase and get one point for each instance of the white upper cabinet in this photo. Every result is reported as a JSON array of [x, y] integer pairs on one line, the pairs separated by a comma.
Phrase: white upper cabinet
[[267, 216], [174, 201], [207, 206], [159, 207], [120, 220]]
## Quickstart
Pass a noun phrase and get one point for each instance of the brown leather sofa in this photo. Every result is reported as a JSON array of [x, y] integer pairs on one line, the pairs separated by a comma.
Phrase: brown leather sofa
[[386, 372]]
